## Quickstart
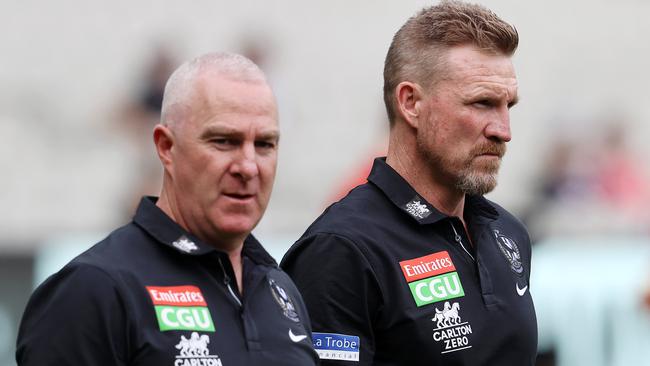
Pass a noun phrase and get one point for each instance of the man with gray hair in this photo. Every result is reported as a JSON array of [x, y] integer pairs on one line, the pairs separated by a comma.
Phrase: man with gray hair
[[416, 267], [185, 283]]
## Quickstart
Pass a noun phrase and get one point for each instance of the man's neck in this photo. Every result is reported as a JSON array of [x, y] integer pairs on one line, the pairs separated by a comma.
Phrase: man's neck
[[232, 246], [444, 198]]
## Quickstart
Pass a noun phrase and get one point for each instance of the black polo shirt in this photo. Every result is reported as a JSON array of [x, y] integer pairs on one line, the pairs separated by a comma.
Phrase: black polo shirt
[[389, 280], [153, 294]]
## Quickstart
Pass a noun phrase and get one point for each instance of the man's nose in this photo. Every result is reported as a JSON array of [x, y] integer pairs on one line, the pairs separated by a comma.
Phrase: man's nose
[[499, 127], [245, 165]]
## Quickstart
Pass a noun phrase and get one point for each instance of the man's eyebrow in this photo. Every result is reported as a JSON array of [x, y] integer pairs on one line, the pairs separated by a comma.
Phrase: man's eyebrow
[[514, 101], [212, 131], [488, 94], [269, 135]]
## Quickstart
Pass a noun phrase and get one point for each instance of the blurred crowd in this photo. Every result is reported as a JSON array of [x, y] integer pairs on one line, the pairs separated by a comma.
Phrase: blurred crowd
[[586, 187], [591, 188]]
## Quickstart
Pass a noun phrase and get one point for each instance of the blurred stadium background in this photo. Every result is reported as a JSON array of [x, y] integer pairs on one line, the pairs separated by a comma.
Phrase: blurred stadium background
[[80, 83]]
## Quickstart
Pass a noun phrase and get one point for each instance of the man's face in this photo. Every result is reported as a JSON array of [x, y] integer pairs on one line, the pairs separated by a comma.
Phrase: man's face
[[224, 158], [467, 121]]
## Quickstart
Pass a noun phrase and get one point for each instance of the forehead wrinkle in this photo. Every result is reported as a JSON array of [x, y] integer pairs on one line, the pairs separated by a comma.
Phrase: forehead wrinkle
[[493, 85], [493, 88], [487, 74]]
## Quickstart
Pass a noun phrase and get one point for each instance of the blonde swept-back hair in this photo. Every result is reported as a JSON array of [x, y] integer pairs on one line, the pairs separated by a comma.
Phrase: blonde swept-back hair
[[417, 50]]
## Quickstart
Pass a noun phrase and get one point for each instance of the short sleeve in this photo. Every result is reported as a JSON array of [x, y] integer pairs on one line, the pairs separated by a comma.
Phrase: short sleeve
[[342, 296], [76, 317]]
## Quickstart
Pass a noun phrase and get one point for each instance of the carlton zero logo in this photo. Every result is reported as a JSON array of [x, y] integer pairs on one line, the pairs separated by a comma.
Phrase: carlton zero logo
[[194, 351], [181, 308], [450, 330], [432, 278]]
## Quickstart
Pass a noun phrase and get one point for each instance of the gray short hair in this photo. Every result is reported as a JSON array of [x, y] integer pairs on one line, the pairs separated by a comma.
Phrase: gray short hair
[[182, 84]]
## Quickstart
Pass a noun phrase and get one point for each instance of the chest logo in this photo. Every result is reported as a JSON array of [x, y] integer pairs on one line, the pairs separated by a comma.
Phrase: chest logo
[[432, 278], [194, 351], [450, 329], [521, 291], [510, 251], [282, 298], [181, 308]]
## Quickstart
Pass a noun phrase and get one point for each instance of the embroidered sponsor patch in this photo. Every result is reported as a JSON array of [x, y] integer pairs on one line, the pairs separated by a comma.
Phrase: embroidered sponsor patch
[[184, 244], [450, 330], [333, 346], [195, 351], [432, 278], [417, 209], [181, 308]]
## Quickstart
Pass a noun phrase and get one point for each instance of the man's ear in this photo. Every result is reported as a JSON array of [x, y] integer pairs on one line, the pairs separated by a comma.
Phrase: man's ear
[[409, 102], [164, 141]]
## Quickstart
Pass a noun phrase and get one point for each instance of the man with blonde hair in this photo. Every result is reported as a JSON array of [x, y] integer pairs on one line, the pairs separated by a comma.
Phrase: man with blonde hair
[[416, 267], [185, 283]]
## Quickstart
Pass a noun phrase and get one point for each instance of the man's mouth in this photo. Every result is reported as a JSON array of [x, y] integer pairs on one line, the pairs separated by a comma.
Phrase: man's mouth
[[488, 154], [239, 196], [492, 151]]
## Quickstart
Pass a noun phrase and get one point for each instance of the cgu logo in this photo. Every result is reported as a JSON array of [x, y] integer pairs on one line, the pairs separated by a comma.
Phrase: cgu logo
[[438, 288], [185, 318], [181, 308]]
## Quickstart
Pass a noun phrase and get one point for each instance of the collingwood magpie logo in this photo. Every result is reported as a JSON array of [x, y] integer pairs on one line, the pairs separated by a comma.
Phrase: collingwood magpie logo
[[417, 209], [282, 298], [194, 351], [510, 251]]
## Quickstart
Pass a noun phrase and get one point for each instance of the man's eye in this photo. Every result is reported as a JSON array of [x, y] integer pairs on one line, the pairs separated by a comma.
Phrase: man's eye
[[483, 103], [224, 142], [265, 144]]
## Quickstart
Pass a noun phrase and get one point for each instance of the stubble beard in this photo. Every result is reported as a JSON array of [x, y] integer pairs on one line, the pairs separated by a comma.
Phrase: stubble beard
[[467, 175], [477, 181]]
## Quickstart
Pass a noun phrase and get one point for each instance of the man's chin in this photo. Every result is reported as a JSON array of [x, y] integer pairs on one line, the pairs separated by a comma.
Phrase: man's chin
[[488, 164], [478, 184], [235, 222], [237, 227]]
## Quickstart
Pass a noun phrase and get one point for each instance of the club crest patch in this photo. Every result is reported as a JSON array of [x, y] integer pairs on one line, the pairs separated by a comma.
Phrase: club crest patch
[[284, 301], [510, 251], [432, 278]]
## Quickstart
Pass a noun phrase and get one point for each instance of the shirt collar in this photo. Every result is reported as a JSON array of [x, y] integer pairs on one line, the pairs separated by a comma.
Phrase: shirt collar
[[402, 195], [167, 232]]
